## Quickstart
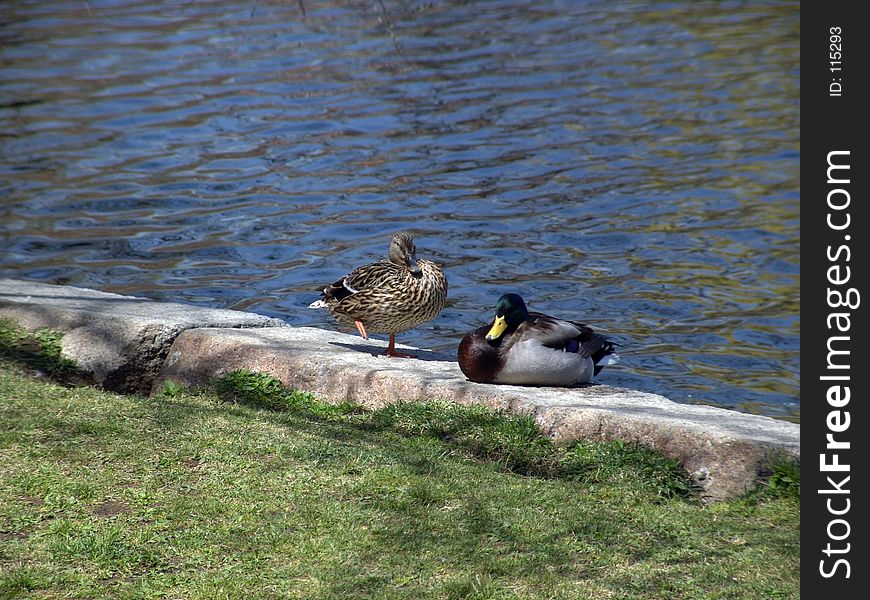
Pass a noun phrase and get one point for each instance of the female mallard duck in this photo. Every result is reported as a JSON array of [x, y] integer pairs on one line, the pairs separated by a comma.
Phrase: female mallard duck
[[528, 348], [389, 296]]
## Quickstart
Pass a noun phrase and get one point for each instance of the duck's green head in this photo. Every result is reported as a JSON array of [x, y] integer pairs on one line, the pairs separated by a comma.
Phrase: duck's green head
[[510, 311]]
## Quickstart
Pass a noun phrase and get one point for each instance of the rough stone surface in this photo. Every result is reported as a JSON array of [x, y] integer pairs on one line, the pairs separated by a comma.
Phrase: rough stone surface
[[723, 449], [121, 340]]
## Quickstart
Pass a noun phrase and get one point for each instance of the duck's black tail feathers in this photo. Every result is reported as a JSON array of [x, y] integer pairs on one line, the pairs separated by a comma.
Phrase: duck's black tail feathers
[[601, 350]]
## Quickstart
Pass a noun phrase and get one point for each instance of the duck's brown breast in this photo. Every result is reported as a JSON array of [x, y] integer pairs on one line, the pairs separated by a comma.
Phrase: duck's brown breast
[[478, 360]]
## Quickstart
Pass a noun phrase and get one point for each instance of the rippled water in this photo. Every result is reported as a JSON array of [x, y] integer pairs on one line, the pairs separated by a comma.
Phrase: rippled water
[[629, 164]]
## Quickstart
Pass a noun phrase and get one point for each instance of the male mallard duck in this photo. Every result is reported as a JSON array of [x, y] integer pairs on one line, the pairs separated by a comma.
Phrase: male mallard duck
[[389, 296], [529, 348]]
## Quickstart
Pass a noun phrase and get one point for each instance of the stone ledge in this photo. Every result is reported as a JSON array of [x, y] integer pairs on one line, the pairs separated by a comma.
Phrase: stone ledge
[[121, 340], [134, 344], [723, 449]]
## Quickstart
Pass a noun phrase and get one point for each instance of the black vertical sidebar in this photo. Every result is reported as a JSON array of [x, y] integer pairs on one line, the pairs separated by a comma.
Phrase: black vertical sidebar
[[835, 301]]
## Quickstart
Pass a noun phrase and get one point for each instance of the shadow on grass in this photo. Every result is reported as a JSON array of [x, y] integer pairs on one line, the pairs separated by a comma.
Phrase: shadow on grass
[[39, 353], [512, 442]]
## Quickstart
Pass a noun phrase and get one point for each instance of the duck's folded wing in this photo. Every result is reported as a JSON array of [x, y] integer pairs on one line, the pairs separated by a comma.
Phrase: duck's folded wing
[[365, 287], [570, 336], [555, 333], [369, 276], [360, 279]]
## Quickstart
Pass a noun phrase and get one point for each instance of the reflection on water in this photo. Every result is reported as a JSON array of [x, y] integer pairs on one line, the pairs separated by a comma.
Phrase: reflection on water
[[634, 166]]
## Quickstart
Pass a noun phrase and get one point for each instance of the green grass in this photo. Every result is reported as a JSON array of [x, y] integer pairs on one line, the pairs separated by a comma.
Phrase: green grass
[[247, 489], [781, 478], [514, 443], [38, 352]]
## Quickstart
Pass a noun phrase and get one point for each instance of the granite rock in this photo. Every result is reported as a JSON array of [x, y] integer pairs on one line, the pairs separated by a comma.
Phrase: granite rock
[[121, 340]]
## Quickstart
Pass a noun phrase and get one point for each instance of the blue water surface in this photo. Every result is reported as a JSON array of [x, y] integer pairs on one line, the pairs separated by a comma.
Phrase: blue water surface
[[630, 164]]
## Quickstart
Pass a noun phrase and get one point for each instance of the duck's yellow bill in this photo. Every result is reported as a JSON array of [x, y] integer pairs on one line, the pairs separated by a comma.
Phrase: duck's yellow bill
[[497, 329]]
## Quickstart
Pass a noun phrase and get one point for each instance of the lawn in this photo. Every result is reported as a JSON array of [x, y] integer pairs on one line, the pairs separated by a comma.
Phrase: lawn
[[247, 490]]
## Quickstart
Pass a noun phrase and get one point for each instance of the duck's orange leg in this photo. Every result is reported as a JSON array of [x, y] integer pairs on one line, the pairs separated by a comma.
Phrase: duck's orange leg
[[391, 349], [362, 329]]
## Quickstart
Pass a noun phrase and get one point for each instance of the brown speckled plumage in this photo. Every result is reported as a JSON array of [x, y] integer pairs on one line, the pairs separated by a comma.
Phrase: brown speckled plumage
[[388, 296]]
